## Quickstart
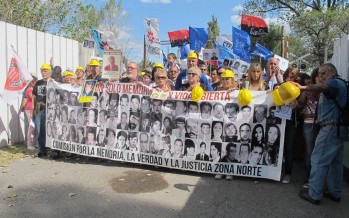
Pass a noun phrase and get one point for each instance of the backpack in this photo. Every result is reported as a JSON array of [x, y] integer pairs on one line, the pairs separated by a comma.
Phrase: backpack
[[343, 111]]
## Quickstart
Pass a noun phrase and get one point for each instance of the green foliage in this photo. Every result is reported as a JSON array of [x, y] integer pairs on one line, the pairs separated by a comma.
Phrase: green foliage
[[213, 31], [270, 41], [70, 18], [317, 23], [148, 65]]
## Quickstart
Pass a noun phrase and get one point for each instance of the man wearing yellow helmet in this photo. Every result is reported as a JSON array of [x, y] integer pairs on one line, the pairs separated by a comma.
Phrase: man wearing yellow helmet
[[95, 68], [69, 77], [182, 79], [79, 75], [39, 110]]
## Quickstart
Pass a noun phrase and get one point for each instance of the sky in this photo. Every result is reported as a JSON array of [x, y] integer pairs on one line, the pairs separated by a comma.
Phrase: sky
[[176, 15]]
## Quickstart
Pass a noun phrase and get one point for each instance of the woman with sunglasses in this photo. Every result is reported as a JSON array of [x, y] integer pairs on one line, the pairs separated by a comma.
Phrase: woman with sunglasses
[[194, 75], [161, 81]]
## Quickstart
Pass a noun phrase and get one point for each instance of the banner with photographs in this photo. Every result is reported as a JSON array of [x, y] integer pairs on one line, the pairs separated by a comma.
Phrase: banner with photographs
[[123, 123], [238, 66]]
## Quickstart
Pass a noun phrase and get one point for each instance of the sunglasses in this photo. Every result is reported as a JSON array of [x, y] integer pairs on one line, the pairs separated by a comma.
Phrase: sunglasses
[[161, 77], [192, 74]]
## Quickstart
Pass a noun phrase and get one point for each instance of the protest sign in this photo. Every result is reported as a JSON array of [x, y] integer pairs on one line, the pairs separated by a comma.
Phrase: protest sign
[[88, 91], [214, 135], [112, 61]]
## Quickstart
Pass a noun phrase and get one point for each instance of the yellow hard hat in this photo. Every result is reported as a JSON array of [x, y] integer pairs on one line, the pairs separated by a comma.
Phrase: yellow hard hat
[[276, 97], [45, 67], [80, 68], [228, 74], [244, 97], [288, 92], [69, 73], [94, 62], [142, 73], [192, 55], [160, 65], [197, 93]]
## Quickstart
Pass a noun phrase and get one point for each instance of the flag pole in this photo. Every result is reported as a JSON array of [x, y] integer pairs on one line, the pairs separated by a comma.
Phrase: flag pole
[[144, 54]]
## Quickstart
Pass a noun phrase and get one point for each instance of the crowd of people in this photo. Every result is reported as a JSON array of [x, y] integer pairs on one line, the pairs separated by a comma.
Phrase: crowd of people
[[197, 131]]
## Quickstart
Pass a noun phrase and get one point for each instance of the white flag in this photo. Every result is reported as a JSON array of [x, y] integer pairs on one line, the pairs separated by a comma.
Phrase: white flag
[[152, 40], [225, 42], [17, 79]]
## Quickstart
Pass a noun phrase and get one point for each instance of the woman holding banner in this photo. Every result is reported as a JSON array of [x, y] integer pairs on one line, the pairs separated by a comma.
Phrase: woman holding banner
[[227, 81], [194, 75], [161, 81], [255, 79]]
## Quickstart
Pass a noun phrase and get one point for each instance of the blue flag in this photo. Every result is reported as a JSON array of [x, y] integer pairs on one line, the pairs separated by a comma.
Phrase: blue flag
[[184, 51], [241, 44], [259, 50], [97, 36], [164, 58], [225, 52], [198, 38]]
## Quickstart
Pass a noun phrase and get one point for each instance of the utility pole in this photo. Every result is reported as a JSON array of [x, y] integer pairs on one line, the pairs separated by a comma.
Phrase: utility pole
[[144, 54], [282, 41]]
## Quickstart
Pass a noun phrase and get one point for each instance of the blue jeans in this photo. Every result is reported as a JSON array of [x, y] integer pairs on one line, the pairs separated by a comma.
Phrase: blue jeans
[[327, 162], [309, 139], [40, 125]]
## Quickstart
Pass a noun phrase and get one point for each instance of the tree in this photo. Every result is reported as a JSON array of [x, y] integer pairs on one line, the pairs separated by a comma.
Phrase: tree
[[78, 25], [48, 16], [213, 32], [149, 65], [316, 22]]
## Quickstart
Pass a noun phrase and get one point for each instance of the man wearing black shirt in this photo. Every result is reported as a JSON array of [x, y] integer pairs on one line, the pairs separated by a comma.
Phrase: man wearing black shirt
[[39, 99]]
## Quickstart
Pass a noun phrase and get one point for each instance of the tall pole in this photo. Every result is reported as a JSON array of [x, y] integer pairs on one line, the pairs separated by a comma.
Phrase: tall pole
[[144, 54], [282, 41]]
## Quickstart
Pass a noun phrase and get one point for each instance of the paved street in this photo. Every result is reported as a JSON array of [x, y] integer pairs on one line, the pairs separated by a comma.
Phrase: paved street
[[35, 187]]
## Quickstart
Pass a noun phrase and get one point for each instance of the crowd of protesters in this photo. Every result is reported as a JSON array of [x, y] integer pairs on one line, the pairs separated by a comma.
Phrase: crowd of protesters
[[313, 112]]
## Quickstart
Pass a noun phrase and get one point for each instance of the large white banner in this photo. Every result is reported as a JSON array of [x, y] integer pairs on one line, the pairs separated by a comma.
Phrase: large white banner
[[214, 135], [152, 40]]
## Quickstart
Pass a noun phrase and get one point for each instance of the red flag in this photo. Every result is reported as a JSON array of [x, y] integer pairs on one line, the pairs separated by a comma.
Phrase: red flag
[[17, 79], [254, 26], [14, 81], [179, 37]]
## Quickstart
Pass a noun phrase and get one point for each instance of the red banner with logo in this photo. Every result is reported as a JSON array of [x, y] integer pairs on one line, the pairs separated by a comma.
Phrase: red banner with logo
[[179, 37], [254, 26]]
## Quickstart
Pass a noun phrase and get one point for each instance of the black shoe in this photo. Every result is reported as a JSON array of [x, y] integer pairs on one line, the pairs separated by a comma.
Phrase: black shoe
[[55, 154], [305, 195], [41, 155], [328, 195]]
